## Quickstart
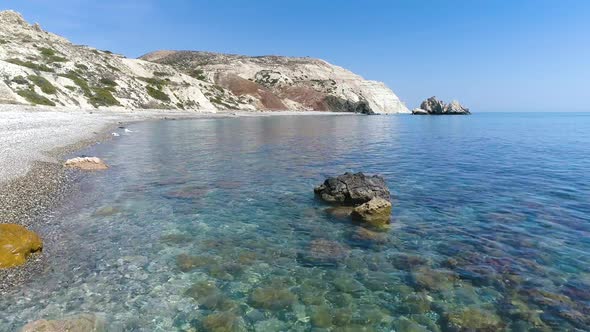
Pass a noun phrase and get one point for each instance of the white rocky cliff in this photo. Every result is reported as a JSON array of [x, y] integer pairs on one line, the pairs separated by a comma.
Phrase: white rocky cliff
[[41, 68], [275, 82]]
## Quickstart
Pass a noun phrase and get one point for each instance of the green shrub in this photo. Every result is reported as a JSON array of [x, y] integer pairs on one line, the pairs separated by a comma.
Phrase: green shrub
[[50, 55], [81, 66], [2, 42], [79, 81], [71, 88], [113, 68], [20, 80], [43, 83], [198, 74], [30, 64], [157, 94], [47, 51], [34, 98], [161, 74], [108, 82], [158, 83], [103, 97]]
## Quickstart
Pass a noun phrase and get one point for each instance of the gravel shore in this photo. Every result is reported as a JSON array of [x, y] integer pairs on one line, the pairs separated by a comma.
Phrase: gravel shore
[[33, 142]]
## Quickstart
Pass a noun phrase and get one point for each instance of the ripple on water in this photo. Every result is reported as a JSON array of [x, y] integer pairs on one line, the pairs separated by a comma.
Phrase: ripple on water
[[212, 225]]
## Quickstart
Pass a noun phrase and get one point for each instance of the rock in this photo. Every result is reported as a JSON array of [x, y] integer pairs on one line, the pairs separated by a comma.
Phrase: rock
[[78, 323], [456, 108], [87, 163], [16, 244], [353, 189], [363, 234], [419, 111], [434, 106], [473, 319], [376, 212], [224, 322], [340, 212], [325, 252], [272, 297]]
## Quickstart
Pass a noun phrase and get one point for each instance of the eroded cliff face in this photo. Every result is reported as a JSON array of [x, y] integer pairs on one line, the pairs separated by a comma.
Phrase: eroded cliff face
[[41, 68], [38, 67], [274, 83]]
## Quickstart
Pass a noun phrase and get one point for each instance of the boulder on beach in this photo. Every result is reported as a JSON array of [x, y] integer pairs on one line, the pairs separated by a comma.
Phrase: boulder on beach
[[17, 244], [87, 163], [434, 106], [78, 323], [376, 212], [353, 189]]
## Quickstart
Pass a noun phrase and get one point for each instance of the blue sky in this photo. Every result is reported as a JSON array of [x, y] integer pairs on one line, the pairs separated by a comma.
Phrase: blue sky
[[493, 55]]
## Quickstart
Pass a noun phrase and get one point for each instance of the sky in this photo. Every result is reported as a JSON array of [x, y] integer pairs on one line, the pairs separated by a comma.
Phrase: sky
[[492, 55]]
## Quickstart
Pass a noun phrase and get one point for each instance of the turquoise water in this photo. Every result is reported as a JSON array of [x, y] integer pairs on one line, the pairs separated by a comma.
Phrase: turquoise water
[[212, 225]]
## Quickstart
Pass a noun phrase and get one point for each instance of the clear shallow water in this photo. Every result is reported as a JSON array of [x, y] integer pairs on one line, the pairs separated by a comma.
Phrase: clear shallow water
[[211, 225]]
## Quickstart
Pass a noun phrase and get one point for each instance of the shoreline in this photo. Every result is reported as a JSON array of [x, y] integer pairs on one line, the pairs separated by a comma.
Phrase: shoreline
[[36, 184]]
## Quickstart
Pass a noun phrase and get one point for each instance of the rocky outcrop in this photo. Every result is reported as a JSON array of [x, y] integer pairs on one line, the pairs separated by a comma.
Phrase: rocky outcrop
[[353, 189], [40, 68], [87, 163], [368, 194], [78, 323], [16, 245], [434, 106], [299, 83], [376, 212]]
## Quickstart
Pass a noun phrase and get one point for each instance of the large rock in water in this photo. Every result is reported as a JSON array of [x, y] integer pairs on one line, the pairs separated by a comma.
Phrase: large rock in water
[[434, 106], [78, 323], [353, 189], [376, 212], [16, 244]]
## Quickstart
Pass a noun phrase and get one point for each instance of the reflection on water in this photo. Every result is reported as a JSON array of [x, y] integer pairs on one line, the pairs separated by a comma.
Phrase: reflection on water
[[211, 225]]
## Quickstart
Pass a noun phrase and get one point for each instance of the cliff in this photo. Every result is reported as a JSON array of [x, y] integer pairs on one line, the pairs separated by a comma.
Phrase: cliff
[[41, 68]]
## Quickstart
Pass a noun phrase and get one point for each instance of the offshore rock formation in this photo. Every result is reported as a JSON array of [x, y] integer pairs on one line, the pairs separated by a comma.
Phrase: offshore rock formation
[[78, 323], [276, 83], [16, 245], [368, 194], [434, 106], [40, 68], [353, 189]]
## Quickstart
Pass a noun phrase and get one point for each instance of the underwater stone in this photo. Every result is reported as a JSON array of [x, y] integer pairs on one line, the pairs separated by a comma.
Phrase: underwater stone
[[427, 278], [348, 285], [187, 263], [407, 325], [106, 211], [363, 234], [340, 212], [325, 252], [224, 322], [272, 298], [473, 319], [321, 316], [78, 323], [417, 303], [408, 262], [17, 244]]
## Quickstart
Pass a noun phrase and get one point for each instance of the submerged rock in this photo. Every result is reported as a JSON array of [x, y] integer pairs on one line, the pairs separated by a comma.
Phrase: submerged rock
[[435, 106], [325, 252], [376, 212], [473, 319], [87, 163], [272, 298], [17, 244], [224, 322], [363, 234], [353, 189], [78, 323]]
